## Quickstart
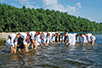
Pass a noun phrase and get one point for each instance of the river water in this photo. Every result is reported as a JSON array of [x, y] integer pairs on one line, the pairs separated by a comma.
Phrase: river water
[[56, 55]]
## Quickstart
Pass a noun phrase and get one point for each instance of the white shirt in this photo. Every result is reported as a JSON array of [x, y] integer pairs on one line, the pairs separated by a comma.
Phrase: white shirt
[[38, 39], [50, 37], [83, 39], [13, 38], [70, 36], [23, 35], [88, 37], [32, 34], [43, 40]]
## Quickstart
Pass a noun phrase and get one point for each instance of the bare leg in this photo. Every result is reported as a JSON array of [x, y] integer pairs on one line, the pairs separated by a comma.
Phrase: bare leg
[[32, 46], [92, 42], [19, 50], [46, 44], [67, 43], [51, 42], [36, 45], [12, 49], [26, 49]]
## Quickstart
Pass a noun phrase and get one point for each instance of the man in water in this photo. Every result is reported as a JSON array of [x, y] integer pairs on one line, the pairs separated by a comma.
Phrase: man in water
[[90, 38], [45, 38], [33, 34], [59, 37], [56, 37], [65, 37], [83, 39], [11, 41], [71, 39], [93, 39], [52, 39], [76, 37], [38, 39], [24, 36]]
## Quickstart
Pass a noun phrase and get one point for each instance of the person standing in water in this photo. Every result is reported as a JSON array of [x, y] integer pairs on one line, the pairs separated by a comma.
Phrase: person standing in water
[[11, 41], [59, 37], [47, 39], [65, 37], [24, 36], [38, 39], [56, 37], [32, 35], [83, 39], [71, 39], [77, 38], [90, 38]]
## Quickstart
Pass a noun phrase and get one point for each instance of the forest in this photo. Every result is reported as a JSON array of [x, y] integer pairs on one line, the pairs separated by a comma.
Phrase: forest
[[13, 19]]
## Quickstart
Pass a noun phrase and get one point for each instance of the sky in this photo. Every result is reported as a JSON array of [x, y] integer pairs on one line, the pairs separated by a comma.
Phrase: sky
[[89, 9]]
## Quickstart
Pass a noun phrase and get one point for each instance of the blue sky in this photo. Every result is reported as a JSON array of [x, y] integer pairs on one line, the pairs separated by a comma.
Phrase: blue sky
[[90, 9]]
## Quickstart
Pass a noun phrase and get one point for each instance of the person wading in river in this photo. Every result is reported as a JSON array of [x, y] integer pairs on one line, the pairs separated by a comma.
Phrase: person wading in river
[[71, 39], [65, 37], [11, 41], [24, 36], [77, 38], [83, 39], [38, 39], [56, 37], [32, 34], [90, 38]]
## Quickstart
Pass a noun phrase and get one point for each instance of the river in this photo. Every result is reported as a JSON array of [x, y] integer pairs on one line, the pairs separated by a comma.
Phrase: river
[[56, 55]]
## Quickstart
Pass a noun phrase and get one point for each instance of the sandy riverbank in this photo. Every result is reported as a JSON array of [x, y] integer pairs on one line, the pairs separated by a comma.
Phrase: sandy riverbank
[[3, 35]]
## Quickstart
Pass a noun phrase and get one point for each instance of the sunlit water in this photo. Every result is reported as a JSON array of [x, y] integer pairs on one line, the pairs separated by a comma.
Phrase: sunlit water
[[56, 55]]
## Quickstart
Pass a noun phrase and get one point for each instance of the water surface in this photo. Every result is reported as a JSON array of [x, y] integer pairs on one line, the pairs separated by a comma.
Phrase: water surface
[[57, 55]]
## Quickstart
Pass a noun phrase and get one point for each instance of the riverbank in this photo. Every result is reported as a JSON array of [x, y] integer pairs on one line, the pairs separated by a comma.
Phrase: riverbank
[[3, 35]]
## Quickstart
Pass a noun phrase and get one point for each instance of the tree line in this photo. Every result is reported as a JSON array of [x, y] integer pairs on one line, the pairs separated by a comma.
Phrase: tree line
[[13, 19]]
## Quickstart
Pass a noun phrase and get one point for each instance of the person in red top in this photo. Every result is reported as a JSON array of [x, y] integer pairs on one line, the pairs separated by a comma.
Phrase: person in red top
[[28, 41]]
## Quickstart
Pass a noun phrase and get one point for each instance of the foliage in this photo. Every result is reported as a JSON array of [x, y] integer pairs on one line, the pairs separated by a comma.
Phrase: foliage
[[14, 19]]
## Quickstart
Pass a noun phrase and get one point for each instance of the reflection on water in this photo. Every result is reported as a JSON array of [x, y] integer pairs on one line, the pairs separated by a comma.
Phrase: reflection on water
[[57, 55]]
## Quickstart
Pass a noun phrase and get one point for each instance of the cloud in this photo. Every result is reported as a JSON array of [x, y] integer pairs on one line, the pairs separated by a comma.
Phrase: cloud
[[23, 1], [28, 3], [55, 5], [79, 5]]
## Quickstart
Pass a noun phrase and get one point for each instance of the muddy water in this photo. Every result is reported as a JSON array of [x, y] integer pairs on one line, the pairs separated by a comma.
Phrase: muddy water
[[57, 55]]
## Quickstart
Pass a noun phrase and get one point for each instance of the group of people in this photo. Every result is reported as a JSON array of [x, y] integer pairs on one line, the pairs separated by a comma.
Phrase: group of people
[[22, 41]]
